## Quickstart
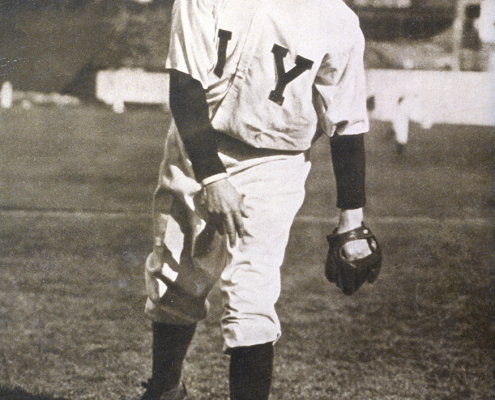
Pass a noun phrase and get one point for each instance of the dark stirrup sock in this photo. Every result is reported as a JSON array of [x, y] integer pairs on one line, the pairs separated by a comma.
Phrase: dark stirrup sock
[[170, 344], [251, 372]]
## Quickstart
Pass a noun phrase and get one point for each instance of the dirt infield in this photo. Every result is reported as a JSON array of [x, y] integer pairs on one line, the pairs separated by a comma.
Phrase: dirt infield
[[75, 189]]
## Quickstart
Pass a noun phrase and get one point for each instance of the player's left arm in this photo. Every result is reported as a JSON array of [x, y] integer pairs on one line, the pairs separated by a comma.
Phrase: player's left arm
[[354, 255], [349, 165], [341, 106]]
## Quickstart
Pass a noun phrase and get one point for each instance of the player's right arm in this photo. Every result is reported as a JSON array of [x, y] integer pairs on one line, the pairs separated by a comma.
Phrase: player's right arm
[[190, 110], [192, 56], [189, 107]]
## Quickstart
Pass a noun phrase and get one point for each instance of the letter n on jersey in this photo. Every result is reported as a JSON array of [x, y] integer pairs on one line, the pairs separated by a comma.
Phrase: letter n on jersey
[[284, 78], [224, 37]]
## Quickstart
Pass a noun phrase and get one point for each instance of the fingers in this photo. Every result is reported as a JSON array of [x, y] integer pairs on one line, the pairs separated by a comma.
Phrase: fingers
[[234, 226], [230, 228], [230, 224], [239, 224], [226, 209], [243, 207]]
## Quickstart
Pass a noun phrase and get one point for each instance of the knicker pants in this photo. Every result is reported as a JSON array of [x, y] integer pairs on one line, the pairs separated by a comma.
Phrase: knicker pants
[[196, 256]]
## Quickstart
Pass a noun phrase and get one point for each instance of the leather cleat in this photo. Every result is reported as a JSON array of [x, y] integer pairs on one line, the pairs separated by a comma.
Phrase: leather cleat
[[179, 393]]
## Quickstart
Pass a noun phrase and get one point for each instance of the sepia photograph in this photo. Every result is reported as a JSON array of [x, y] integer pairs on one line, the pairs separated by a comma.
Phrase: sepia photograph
[[247, 199]]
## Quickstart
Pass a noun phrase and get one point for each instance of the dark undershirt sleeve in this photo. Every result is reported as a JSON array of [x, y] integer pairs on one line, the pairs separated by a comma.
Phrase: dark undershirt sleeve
[[349, 163], [190, 110]]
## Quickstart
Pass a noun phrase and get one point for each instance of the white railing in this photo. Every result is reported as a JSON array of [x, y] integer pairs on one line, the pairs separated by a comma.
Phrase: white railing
[[463, 98], [117, 87]]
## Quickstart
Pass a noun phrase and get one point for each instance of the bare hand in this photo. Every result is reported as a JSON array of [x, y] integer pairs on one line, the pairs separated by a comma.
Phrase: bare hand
[[226, 208], [357, 249], [351, 219]]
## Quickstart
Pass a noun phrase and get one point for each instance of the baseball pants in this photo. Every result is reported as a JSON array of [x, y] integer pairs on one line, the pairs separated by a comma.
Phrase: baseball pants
[[196, 256]]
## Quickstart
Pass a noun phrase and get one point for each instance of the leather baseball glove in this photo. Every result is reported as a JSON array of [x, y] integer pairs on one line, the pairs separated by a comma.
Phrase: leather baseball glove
[[350, 274]]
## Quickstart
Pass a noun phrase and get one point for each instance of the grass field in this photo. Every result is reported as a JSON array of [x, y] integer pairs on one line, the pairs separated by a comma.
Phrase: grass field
[[75, 197]]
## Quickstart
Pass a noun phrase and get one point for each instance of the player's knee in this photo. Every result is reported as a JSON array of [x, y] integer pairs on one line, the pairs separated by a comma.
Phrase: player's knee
[[249, 330], [177, 312]]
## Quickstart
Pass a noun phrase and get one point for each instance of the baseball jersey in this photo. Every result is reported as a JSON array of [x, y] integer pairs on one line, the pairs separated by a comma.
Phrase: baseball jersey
[[274, 70]]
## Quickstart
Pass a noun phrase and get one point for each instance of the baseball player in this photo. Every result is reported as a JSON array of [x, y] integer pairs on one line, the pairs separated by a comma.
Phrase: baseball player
[[408, 108], [252, 84], [400, 124]]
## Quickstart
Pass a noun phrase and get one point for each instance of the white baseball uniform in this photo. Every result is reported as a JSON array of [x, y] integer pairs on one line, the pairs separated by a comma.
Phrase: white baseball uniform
[[275, 72], [400, 121]]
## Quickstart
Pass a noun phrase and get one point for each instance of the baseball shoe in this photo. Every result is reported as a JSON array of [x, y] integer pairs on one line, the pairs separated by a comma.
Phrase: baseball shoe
[[179, 393]]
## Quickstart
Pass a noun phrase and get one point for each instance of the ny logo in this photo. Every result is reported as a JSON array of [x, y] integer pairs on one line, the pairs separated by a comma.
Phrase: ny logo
[[284, 78], [279, 52], [224, 37]]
